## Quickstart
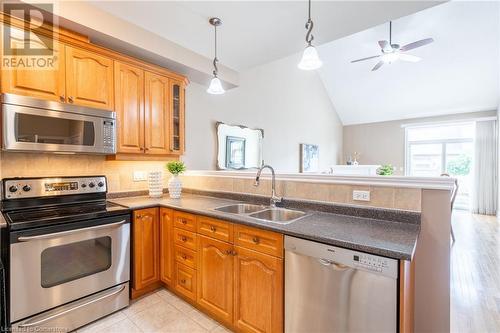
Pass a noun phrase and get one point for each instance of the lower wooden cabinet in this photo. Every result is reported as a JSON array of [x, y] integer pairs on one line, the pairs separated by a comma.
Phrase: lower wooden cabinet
[[258, 285], [166, 245], [146, 248], [185, 281], [215, 278]]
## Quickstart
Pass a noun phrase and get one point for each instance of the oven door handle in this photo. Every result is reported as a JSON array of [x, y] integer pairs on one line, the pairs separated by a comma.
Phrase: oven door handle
[[69, 232], [112, 292]]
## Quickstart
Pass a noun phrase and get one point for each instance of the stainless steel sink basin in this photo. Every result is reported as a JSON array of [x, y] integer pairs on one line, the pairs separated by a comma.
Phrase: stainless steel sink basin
[[240, 208], [278, 215]]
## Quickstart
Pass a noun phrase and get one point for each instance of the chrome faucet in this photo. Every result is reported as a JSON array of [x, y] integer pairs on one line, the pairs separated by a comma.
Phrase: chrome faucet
[[274, 198]]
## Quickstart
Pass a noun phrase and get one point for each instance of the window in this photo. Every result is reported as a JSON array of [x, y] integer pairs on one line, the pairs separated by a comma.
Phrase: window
[[445, 148]]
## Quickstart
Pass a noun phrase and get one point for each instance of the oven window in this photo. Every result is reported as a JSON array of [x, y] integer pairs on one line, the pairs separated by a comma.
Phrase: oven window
[[42, 129], [64, 263]]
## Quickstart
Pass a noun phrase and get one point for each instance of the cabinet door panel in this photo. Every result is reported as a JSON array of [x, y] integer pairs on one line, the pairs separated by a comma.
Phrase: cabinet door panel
[[46, 83], [129, 107], [89, 79], [258, 301], [215, 278], [177, 117], [185, 281], [146, 238], [166, 245], [156, 114]]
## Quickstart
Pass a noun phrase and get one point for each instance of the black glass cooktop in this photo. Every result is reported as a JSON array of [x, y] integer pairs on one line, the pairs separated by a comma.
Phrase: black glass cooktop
[[36, 217]]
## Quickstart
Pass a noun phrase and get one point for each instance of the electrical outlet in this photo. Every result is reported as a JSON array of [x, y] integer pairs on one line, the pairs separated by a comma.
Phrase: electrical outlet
[[140, 176], [361, 195]]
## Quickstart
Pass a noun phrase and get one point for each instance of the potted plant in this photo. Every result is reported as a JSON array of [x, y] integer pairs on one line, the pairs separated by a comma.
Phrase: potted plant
[[174, 183], [385, 170]]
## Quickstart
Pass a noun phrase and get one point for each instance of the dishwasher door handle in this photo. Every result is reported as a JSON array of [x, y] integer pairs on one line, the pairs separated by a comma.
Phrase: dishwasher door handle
[[335, 265]]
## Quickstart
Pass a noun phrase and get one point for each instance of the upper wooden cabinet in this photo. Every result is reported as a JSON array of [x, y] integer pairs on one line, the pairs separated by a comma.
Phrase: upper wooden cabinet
[[146, 251], [176, 139], [156, 114], [129, 106], [89, 79], [45, 84]]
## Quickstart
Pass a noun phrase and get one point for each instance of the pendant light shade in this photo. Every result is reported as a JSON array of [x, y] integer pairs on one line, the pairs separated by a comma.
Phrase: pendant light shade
[[215, 87], [310, 58]]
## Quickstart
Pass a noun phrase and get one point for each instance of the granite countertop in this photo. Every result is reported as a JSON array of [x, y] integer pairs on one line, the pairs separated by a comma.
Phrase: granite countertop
[[391, 239]]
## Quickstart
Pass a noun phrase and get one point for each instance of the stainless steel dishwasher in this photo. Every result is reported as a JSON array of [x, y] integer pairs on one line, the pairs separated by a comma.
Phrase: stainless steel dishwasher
[[331, 289]]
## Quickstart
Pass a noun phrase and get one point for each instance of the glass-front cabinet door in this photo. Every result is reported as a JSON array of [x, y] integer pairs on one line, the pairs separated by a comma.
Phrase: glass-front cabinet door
[[177, 117]]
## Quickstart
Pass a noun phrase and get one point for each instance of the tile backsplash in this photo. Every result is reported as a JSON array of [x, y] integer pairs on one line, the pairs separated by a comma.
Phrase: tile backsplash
[[120, 176]]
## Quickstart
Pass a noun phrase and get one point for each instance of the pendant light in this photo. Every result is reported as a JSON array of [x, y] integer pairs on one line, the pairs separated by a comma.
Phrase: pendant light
[[310, 58], [215, 87]]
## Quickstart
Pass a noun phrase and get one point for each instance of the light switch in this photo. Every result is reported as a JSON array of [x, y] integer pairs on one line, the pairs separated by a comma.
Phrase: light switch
[[140, 176], [361, 195]]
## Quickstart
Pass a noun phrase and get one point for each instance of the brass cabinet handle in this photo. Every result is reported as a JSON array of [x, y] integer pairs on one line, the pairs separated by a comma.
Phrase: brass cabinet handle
[[256, 240], [183, 281], [183, 221], [183, 238], [184, 256], [213, 229], [62, 98], [234, 253], [229, 252], [139, 216], [70, 99]]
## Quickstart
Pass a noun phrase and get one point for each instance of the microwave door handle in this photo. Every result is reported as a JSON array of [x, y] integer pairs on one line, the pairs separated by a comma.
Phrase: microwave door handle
[[69, 232], [97, 299]]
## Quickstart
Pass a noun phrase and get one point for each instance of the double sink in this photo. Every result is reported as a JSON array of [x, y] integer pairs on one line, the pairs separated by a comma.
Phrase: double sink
[[263, 213]]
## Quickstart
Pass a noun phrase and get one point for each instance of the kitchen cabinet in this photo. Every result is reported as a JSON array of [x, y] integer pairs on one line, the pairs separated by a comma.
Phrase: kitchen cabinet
[[89, 79], [176, 119], [129, 107], [215, 278], [146, 248], [156, 114], [46, 84], [166, 246], [258, 284]]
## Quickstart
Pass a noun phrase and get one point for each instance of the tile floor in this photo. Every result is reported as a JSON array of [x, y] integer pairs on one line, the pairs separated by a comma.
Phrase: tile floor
[[160, 311]]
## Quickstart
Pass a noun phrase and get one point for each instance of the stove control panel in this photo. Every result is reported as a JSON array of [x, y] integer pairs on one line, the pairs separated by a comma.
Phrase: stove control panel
[[17, 188]]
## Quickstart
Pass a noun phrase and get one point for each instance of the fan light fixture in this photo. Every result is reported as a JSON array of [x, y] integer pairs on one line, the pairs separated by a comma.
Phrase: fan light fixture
[[215, 87], [310, 58]]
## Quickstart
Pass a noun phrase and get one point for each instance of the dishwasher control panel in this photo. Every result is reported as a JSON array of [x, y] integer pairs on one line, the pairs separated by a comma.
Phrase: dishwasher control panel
[[328, 255]]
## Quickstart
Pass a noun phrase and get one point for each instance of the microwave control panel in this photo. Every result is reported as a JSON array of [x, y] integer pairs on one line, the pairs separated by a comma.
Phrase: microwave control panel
[[109, 136]]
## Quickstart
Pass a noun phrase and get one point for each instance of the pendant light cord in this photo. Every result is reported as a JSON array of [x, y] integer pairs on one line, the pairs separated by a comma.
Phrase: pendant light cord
[[216, 70], [390, 33], [309, 27]]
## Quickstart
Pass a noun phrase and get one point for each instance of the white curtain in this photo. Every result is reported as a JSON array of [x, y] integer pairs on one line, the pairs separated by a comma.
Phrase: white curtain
[[484, 198]]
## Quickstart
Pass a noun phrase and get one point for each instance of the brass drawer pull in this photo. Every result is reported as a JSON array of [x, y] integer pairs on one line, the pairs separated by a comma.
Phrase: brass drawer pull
[[213, 229], [70, 99], [62, 98], [256, 240], [184, 256], [183, 281], [184, 238], [183, 221], [234, 253]]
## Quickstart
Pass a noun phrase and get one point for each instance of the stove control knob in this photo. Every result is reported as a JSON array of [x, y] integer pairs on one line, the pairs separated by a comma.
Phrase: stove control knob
[[100, 184], [13, 189], [84, 185], [91, 185], [26, 188]]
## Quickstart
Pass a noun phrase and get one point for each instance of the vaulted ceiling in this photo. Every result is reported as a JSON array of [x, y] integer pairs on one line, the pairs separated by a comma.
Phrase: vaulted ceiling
[[459, 71]]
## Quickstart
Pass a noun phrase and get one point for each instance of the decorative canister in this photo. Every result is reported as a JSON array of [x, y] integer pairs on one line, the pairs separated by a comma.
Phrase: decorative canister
[[175, 187], [155, 183]]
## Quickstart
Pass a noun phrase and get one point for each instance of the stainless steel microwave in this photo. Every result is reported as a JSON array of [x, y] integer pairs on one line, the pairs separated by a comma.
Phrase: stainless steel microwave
[[34, 125]]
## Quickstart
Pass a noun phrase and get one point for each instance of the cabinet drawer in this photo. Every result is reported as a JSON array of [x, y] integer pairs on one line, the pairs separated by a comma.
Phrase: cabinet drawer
[[185, 256], [215, 228], [185, 281], [185, 221], [263, 241], [185, 238]]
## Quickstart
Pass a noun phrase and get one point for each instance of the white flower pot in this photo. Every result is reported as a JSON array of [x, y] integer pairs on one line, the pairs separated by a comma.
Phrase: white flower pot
[[175, 187]]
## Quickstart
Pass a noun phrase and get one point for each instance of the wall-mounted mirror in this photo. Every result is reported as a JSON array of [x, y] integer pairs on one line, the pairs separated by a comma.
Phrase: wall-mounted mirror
[[238, 147]]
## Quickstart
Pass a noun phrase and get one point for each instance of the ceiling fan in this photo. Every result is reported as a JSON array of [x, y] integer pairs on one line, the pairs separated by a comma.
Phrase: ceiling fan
[[393, 52]]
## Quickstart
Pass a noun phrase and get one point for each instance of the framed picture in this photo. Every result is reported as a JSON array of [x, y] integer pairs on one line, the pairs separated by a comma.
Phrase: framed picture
[[235, 152], [309, 158]]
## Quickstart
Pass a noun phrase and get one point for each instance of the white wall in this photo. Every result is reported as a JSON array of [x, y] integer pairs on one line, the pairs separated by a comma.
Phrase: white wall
[[291, 106]]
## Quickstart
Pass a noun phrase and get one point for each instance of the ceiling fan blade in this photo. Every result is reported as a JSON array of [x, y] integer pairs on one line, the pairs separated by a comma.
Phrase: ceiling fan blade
[[409, 57], [416, 44], [385, 45], [362, 59], [377, 66]]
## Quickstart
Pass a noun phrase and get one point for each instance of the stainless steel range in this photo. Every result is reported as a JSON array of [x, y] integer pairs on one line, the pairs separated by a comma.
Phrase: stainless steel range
[[69, 252]]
